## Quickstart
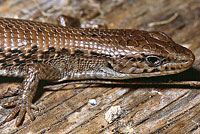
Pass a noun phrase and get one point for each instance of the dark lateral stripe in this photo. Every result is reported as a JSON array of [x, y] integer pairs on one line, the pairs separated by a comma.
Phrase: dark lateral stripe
[[15, 51], [64, 50], [78, 52], [33, 50], [46, 53], [95, 54], [100, 55], [52, 49]]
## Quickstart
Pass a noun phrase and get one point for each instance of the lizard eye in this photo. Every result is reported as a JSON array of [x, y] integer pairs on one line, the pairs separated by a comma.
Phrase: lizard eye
[[153, 61]]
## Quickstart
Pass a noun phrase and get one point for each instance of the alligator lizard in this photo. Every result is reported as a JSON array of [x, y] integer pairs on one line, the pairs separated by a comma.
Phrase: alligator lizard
[[41, 51]]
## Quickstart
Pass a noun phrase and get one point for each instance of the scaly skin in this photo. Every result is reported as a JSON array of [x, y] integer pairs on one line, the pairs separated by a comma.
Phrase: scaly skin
[[40, 51]]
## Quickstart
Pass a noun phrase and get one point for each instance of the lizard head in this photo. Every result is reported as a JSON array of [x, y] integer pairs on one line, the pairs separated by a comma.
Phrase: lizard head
[[146, 54]]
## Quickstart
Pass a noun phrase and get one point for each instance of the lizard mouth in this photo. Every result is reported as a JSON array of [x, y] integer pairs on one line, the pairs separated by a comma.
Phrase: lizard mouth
[[157, 66], [112, 74]]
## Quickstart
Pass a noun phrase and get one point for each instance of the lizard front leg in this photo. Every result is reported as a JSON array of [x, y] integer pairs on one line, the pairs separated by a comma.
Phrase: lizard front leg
[[24, 94]]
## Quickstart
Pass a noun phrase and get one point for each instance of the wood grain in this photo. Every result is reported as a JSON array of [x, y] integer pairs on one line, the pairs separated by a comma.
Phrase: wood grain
[[146, 109]]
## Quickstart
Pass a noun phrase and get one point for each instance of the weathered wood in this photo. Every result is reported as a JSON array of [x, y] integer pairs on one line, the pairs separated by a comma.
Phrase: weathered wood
[[145, 109]]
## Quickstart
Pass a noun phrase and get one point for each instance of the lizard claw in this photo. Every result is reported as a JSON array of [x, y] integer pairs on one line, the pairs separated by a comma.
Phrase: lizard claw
[[22, 106], [9, 93]]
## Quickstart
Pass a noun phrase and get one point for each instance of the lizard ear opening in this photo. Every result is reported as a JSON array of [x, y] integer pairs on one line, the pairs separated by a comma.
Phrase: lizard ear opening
[[109, 65]]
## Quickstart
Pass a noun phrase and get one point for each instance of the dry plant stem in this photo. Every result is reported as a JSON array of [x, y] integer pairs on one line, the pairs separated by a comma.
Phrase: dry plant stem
[[40, 9], [164, 21], [181, 83]]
